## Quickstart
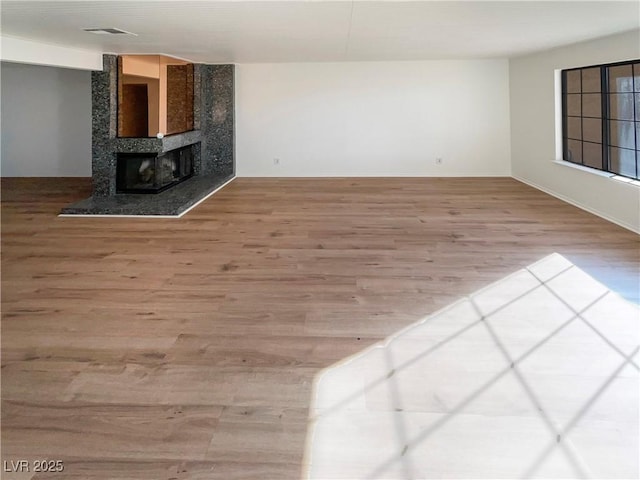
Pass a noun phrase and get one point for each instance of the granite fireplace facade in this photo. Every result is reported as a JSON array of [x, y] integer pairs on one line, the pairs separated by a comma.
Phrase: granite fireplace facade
[[211, 143]]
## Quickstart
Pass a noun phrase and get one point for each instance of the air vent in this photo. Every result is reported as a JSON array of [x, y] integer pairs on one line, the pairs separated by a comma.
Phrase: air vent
[[108, 31]]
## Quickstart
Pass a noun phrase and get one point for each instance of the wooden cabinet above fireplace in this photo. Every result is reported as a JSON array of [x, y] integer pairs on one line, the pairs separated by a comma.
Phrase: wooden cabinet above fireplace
[[155, 95]]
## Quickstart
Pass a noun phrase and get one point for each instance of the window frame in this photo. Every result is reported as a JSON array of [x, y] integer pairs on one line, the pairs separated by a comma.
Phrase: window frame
[[605, 114]]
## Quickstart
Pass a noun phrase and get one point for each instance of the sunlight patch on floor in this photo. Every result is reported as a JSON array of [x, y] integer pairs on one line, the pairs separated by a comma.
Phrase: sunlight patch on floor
[[535, 376]]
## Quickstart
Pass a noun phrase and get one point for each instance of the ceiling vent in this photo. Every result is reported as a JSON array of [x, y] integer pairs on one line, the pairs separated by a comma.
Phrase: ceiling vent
[[108, 31]]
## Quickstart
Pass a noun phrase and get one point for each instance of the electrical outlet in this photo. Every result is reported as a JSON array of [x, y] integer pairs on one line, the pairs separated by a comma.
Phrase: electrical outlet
[[276, 161], [438, 160]]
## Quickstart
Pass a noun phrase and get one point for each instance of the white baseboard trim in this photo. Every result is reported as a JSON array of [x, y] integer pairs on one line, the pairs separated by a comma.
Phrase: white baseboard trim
[[576, 204], [355, 177]]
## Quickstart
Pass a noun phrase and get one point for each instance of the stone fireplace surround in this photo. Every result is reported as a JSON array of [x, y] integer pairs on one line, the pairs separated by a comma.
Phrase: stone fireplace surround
[[213, 137]]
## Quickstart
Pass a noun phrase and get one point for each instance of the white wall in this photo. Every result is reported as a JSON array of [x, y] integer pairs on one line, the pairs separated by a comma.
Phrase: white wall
[[46, 121], [373, 118], [533, 129]]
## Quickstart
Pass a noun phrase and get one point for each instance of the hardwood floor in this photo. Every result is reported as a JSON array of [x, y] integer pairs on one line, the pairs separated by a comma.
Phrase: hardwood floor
[[187, 348]]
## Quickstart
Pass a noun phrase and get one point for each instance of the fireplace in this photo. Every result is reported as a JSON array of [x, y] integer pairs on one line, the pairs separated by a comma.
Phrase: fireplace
[[153, 172], [127, 169]]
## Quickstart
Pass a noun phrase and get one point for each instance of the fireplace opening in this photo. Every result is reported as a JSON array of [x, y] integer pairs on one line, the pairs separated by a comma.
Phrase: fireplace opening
[[152, 172]]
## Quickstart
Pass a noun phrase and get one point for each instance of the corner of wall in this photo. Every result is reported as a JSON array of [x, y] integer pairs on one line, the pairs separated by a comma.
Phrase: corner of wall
[[535, 118]]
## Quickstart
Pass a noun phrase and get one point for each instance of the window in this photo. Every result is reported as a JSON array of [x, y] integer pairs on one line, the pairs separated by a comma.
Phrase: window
[[601, 117]]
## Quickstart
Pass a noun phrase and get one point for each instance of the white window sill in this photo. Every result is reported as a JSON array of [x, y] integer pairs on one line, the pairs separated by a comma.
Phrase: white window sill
[[600, 173]]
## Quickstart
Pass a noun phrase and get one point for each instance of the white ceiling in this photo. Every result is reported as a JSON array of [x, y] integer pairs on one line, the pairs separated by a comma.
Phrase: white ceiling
[[316, 31]]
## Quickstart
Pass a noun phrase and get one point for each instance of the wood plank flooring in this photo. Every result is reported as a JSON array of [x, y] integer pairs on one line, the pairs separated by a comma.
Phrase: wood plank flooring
[[187, 348]]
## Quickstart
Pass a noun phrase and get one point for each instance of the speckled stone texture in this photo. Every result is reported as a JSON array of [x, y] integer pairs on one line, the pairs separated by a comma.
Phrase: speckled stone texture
[[104, 108], [218, 119], [142, 145], [213, 138]]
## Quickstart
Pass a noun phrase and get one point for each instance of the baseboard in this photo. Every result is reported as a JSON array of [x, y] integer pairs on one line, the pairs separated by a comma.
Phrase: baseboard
[[372, 176], [576, 204]]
